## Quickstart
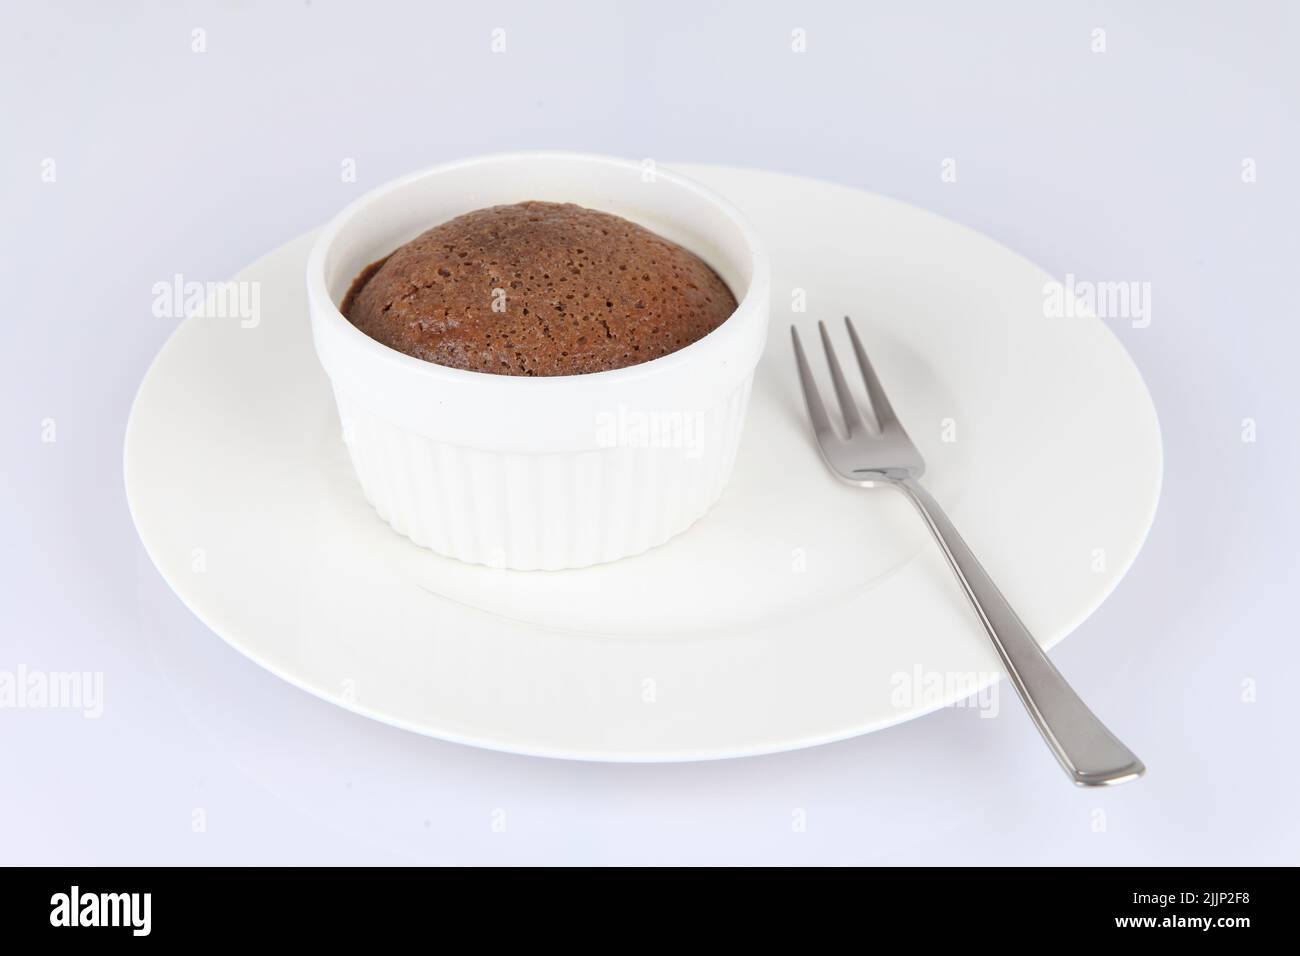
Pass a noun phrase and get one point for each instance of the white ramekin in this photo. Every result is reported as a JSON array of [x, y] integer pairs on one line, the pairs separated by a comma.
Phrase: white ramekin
[[547, 472]]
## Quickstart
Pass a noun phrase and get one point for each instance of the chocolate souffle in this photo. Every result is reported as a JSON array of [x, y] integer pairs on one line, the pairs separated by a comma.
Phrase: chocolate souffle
[[538, 288]]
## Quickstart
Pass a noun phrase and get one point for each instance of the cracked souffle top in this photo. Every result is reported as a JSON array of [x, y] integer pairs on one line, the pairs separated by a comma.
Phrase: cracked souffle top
[[538, 288]]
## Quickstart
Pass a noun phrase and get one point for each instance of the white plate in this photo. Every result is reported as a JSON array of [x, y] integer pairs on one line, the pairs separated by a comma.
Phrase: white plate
[[798, 611]]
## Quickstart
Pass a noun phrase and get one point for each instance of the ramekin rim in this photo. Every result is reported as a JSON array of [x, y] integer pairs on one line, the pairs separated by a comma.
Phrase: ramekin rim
[[322, 302]]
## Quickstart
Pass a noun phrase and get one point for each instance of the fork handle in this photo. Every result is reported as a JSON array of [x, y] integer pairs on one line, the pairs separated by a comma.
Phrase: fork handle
[[1090, 753]]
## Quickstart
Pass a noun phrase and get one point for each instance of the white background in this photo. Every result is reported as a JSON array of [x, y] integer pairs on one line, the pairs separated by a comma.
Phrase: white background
[[1122, 165]]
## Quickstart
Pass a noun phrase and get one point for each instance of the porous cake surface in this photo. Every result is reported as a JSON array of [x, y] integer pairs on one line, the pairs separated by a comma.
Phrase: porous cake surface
[[538, 288]]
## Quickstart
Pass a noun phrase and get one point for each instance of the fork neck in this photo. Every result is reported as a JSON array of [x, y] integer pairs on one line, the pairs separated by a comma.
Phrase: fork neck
[[869, 476]]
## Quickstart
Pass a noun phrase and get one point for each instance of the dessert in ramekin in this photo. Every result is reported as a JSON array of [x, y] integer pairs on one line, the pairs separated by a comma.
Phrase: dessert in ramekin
[[553, 471]]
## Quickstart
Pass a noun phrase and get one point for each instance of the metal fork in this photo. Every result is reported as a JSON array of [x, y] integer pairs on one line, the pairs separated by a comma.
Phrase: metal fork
[[1090, 753]]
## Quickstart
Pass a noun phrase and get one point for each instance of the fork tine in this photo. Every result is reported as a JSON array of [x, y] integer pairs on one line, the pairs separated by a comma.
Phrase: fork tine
[[816, 410], [884, 412], [848, 404]]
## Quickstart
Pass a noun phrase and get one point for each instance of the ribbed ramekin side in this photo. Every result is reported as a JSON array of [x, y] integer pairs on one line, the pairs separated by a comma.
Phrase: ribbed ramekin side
[[543, 511]]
